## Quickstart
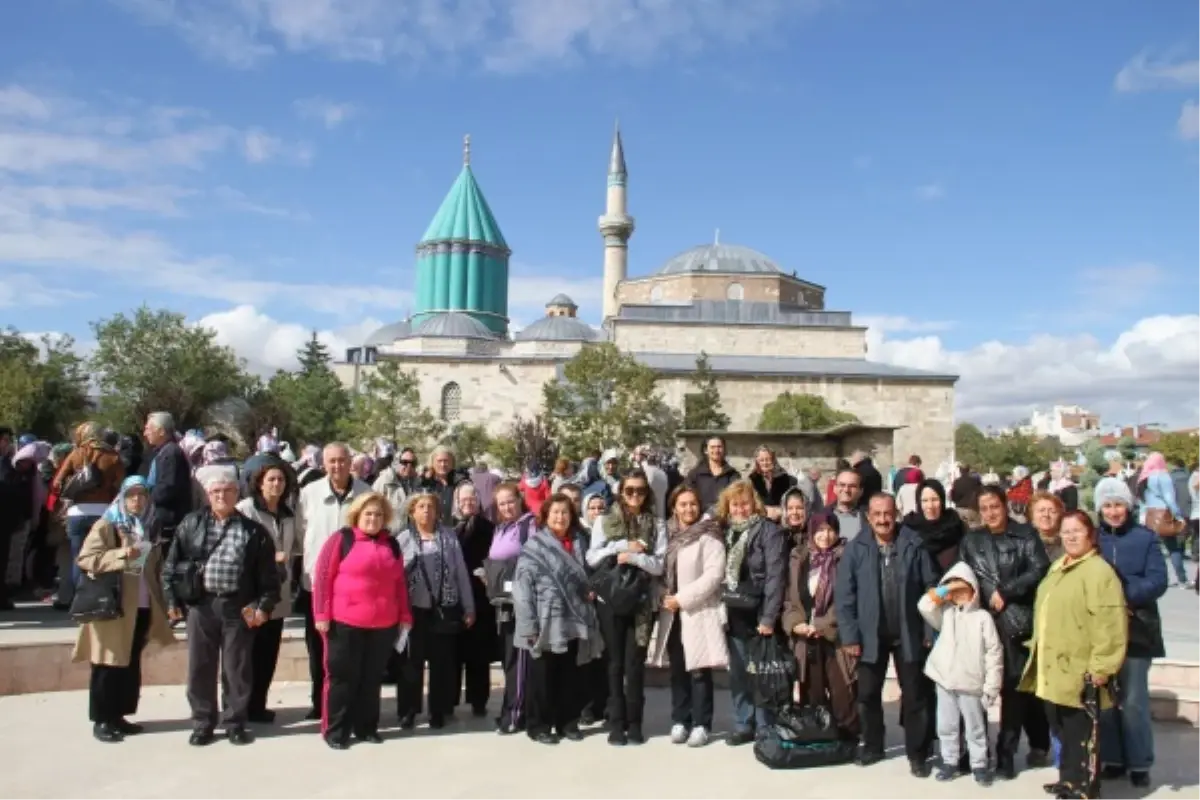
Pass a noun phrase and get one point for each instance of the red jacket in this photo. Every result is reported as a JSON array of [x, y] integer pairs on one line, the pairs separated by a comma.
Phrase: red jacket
[[535, 496], [368, 589]]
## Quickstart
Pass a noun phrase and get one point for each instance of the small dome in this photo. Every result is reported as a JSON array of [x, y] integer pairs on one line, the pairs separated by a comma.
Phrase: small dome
[[727, 258], [388, 334], [452, 325], [559, 329], [561, 300]]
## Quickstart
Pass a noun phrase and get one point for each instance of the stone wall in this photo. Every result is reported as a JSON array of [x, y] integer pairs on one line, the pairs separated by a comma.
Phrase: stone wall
[[795, 452], [683, 288], [748, 340]]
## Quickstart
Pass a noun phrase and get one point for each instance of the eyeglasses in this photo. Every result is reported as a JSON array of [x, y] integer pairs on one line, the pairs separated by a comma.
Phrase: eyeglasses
[[406, 463], [634, 491]]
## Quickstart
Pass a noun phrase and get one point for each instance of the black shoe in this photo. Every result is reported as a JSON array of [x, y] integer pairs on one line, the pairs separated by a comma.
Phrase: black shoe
[[201, 738], [336, 744], [635, 735], [437, 722], [572, 733], [618, 738], [964, 764], [109, 734], [1112, 773], [263, 717], [127, 728], [946, 773], [866, 758], [239, 736], [1139, 779], [313, 713], [1006, 770], [545, 737], [739, 738], [370, 738], [982, 777], [1053, 789], [408, 722], [7, 605], [919, 769], [479, 711], [587, 717], [1036, 759]]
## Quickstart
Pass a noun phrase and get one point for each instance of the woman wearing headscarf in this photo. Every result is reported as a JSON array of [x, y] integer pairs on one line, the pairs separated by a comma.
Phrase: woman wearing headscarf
[[1062, 485], [1127, 735], [272, 486], [595, 672], [795, 520], [691, 623], [87, 504], [122, 541], [475, 649], [25, 463], [826, 671], [756, 570], [1009, 560], [555, 621], [938, 527], [629, 535], [1160, 511]]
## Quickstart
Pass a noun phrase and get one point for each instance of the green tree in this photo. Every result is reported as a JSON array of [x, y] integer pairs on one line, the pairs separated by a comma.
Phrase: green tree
[[607, 398], [315, 400], [533, 442], [972, 447], [503, 451], [1096, 455], [468, 442], [801, 412], [702, 408], [1009, 450], [43, 390], [1179, 448], [155, 361], [1127, 447], [389, 404]]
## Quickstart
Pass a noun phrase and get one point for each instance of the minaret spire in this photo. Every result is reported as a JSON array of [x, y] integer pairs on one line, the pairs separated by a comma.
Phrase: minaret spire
[[616, 226], [467, 150]]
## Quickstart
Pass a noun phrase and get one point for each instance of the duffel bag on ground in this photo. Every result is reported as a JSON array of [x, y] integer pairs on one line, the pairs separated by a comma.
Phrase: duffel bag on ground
[[776, 751]]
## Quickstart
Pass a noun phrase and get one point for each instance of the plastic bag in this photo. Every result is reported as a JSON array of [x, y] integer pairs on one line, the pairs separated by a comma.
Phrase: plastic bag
[[803, 724], [771, 670]]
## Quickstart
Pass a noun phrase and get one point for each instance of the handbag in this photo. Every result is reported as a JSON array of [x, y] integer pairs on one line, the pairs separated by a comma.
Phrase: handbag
[[745, 596], [85, 479], [623, 588], [1163, 522], [189, 576], [447, 620], [97, 598]]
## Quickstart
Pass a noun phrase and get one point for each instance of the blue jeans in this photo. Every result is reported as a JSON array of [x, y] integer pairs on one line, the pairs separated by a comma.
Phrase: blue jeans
[[746, 717], [77, 531], [1126, 735], [1174, 545]]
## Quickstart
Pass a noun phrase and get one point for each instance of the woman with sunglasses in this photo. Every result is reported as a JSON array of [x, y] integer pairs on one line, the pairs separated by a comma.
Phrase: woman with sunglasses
[[629, 535]]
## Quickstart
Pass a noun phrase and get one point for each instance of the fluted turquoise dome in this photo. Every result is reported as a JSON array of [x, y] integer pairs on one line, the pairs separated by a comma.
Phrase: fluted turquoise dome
[[462, 260]]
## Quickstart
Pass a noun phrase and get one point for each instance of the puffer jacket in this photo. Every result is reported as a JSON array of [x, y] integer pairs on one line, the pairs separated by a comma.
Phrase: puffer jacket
[[968, 656]]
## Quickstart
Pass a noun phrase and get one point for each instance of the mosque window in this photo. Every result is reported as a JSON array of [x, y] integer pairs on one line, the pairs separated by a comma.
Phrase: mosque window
[[656, 294], [451, 402], [735, 292]]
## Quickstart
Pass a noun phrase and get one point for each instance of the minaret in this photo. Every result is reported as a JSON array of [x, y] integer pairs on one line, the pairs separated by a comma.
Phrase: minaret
[[616, 226]]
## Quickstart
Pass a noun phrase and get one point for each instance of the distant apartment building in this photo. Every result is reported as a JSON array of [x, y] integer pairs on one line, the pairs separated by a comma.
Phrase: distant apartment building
[[1071, 425]]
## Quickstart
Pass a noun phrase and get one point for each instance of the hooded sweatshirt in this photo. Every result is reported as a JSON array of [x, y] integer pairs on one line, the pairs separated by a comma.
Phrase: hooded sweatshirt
[[967, 656]]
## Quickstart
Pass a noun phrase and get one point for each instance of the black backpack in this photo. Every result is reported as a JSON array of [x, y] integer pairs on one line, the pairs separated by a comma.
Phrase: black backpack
[[498, 575], [348, 543], [623, 588]]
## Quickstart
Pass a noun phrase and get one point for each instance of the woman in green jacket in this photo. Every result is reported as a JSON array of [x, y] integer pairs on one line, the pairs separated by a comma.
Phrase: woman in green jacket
[[1079, 638]]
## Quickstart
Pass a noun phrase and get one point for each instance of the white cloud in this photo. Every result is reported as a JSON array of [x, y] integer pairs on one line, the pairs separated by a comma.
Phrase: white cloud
[[1144, 73], [505, 36], [24, 290], [930, 191], [268, 344], [259, 146], [1188, 124], [1156, 360], [152, 199], [1126, 286], [237, 200], [328, 112], [17, 101]]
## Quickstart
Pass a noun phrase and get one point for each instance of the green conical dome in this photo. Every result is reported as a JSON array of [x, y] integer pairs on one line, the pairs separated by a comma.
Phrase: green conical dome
[[464, 215]]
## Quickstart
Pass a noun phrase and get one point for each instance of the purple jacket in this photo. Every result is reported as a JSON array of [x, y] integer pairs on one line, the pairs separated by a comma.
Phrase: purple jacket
[[506, 542], [485, 484]]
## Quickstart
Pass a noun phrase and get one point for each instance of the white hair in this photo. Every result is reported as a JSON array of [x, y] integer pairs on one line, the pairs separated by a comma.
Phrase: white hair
[[162, 420], [345, 448], [213, 475]]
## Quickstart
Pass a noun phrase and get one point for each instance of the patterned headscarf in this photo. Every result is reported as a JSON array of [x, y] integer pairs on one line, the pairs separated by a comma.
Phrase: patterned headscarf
[[214, 451], [823, 562], [137, 527]]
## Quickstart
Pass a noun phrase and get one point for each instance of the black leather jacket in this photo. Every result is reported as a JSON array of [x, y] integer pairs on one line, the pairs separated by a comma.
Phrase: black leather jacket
[[258, 584]]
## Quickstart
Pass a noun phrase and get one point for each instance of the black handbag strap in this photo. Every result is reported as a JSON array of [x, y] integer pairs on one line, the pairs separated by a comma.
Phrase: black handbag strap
[[225, 532]]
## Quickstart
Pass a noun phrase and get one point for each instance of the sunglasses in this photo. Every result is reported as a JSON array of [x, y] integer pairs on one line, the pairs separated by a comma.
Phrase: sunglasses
[[634, 491], [406, 463]]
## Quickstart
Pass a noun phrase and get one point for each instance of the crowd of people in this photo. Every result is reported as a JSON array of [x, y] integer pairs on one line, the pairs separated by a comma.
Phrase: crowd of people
[[578, 579]]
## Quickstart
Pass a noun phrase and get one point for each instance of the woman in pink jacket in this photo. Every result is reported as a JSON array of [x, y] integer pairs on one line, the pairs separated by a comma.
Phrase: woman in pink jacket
[[360, 606]]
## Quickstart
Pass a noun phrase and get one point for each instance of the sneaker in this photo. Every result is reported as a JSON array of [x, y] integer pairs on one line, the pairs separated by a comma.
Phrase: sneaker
[[946, 773], [698, 737], [679, 734], [982, 777]]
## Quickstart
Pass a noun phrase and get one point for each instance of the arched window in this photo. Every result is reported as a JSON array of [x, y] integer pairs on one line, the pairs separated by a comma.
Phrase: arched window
[[451, 401], [734, 292], [656, 294]]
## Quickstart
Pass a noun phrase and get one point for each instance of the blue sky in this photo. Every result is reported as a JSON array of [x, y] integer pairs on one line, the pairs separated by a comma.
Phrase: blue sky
[[1007, 189]]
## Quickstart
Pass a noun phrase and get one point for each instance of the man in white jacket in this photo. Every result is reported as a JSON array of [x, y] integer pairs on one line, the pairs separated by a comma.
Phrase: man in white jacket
[[320, 514], [967, 665]]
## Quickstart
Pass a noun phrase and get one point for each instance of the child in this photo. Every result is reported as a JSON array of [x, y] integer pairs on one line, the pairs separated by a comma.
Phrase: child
[[967, 664]]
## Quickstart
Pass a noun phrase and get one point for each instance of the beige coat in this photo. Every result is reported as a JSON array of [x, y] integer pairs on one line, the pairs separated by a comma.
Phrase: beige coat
[[110, 642], [701, 570], [283, 534]]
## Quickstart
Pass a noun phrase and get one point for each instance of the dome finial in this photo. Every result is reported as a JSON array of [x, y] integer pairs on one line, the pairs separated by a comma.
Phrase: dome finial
[[717, 236], [467, 150]]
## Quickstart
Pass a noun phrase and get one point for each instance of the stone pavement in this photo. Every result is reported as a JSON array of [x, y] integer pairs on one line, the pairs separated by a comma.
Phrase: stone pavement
[[49, 752]]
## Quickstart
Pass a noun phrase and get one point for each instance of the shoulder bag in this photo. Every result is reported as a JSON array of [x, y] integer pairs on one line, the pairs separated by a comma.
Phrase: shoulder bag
[[97, 598], [189, 576], [85, 479], [447, 620]]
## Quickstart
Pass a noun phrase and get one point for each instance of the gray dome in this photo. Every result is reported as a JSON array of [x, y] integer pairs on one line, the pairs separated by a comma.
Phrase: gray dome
[[452, 325], [388, 334], [559, 329], [727, 258], [561, 300]]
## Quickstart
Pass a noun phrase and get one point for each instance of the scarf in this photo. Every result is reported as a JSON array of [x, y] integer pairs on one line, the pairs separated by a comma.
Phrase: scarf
[[1060, 476], [824, 563], [679, 538], [744, 531], [937, 535], [618, 527], [433, 562]]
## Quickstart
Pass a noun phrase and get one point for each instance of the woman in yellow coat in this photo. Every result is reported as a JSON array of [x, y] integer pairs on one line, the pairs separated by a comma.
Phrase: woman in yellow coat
[[1079, 639], [121, 541]]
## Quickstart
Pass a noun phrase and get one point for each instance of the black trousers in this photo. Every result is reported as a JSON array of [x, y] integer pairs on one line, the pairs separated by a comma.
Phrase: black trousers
[[357, 658], [555, 691], [1079, 758], [473, 656], [426, 648], [914, 704], [264, 654], [516, 677], [1020, 711], [691, 692], [316, 651], [626, 670], [113, 692], [595, 680]]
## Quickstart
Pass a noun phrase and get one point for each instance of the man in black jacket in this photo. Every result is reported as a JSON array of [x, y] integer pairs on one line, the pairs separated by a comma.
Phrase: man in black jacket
[[221, 570], [712, 475], [169, 474], [882, 575]]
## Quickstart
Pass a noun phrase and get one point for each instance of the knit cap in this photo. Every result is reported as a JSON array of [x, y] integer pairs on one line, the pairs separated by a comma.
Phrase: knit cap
[[1112, 490]]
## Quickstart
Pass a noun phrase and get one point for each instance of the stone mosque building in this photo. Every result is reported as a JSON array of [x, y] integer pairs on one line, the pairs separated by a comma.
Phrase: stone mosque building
[[764, 329]]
